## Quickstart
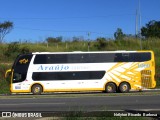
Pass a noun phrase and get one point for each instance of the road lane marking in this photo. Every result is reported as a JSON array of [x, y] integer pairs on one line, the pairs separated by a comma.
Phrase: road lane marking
[[31, 104]]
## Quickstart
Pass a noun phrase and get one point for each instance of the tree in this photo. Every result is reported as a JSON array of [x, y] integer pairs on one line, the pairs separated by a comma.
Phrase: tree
[[78, 38], [119, 34], [5, 28], [152, 29], [101, 43], [54, 40]]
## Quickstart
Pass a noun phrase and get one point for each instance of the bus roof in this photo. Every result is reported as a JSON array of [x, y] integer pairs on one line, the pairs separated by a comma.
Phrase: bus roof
[[119, 51]]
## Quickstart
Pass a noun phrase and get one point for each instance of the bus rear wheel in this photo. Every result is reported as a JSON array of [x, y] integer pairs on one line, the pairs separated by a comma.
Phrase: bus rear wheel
[[124, 87], [36, 89], [110, 88]]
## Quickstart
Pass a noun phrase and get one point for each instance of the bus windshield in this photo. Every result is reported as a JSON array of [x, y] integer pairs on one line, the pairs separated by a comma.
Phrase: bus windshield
[[20, 67]]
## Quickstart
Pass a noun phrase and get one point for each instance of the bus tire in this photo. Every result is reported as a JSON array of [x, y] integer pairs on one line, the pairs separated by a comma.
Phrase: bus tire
[[110, 88], [36, 89], [124, 87]]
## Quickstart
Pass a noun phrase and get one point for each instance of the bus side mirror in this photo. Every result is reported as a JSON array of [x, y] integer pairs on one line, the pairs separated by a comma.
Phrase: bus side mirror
[[7, 72]]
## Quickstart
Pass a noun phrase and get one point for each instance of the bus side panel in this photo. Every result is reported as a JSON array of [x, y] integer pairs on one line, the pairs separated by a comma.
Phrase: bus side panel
[[139, 75]]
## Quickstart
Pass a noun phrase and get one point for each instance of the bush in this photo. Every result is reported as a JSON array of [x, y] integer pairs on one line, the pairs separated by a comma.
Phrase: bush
[[4, 83], [14, 49], [3, 68], [101, 43], [4, 87]]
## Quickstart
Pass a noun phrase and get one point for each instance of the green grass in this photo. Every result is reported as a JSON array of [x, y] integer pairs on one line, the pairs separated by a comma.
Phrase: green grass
[[4, 87], [107, 45], [4, 83]]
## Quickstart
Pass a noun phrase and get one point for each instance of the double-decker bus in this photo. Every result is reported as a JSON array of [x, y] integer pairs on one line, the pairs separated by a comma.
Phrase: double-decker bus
[[107, 71]]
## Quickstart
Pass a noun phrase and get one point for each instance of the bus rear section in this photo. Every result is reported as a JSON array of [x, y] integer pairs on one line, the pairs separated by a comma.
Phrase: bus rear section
[[131, 71], [148, 73]]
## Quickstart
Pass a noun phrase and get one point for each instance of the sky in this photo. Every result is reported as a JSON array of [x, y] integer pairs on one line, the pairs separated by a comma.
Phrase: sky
[[35, 20]]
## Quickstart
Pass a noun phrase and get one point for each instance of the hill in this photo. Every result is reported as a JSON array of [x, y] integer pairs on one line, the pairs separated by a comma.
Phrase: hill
[[8, 52]]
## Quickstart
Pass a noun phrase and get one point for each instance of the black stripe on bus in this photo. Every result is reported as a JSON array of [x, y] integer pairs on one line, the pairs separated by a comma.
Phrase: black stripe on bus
[[76, 75], [92, 58]]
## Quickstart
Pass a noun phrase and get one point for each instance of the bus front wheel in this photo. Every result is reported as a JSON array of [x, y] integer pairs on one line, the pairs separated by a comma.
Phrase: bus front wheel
[[36, 89], [110, 88]]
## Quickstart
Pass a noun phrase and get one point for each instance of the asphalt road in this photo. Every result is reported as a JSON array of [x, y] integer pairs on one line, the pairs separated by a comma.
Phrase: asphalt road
[[81, 103]]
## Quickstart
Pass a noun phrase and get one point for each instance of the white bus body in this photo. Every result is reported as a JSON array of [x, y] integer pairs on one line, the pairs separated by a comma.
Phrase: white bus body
[[83, 71]]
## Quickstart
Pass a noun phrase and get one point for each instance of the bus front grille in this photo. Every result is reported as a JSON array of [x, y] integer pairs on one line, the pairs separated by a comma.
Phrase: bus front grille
[[146, 79]]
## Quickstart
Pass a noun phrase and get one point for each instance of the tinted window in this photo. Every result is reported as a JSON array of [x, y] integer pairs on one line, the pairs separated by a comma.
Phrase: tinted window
[[139, 57], [21, 67], [50, 58], [91, 58], [74, 58], [80, 75], [132, 57], [101, 57]]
